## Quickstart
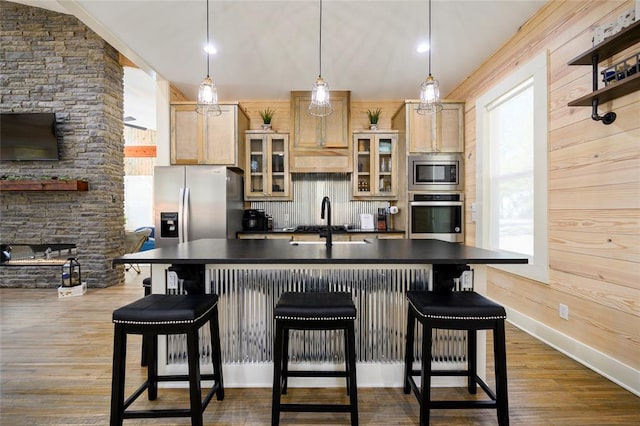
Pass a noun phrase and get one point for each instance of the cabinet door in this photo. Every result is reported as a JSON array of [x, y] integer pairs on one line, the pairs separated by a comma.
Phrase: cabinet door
[[186, 135], [422, 131], [278, 151], [451, 127], [364, 167], [256, 180], [219, 147], [386, 165]]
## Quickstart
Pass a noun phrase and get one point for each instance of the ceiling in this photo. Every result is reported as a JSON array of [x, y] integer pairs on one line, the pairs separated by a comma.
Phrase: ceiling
[[268, 48]]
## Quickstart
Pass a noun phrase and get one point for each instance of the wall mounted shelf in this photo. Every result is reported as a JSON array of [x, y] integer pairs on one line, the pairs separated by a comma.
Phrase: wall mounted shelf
[[615, 44], [44, 185]]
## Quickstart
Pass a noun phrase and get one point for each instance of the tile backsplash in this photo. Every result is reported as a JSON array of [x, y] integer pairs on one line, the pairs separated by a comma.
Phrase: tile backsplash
[[308, 191]]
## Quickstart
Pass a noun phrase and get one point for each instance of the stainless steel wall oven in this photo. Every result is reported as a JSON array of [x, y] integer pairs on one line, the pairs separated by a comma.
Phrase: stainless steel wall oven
[[438, 216]]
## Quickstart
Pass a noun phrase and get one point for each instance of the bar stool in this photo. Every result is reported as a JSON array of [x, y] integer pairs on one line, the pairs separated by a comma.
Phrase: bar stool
[[313, 311], [160, 314], [464, 310]]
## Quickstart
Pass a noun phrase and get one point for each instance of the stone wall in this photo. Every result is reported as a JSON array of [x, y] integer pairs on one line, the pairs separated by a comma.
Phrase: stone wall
[[52, 62]]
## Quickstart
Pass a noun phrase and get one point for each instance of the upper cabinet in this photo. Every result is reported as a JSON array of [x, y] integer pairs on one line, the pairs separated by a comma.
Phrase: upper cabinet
[[201, 139], [267, 174], [320, 144], [375, 156], [442, 132]]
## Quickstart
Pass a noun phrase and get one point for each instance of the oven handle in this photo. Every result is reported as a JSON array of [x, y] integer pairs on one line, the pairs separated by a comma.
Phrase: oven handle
[[436, 203]]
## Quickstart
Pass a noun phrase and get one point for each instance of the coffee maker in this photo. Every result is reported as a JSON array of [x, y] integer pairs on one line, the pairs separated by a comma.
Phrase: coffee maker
[[254, 220], [383, 222]]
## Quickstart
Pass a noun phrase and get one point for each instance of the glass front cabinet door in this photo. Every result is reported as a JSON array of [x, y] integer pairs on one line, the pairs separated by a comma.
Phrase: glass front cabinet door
[[375, 165], [267, 167]]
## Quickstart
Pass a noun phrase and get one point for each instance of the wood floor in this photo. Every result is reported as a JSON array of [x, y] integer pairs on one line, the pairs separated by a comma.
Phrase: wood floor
[[55, 369]]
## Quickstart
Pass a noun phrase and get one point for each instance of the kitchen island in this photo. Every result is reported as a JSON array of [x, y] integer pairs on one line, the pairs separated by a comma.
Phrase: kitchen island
[[249, 276]]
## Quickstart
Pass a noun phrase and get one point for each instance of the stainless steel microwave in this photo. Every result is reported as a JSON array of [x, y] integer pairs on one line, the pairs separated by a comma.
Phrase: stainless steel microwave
[[435, 172]]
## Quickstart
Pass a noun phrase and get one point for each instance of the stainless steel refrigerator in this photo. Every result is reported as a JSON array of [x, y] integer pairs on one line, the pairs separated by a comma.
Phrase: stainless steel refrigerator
[[193, 202]]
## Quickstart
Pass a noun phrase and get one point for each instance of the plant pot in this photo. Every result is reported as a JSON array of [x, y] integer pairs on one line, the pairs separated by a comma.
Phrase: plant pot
[[266, 127], [373, 126]]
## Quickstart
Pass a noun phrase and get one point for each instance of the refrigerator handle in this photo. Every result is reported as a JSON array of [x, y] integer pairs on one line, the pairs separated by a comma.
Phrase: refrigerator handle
[[185, 216]]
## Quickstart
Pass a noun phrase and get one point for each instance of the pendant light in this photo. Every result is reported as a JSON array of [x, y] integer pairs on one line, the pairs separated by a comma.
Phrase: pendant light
[[207, 92], [320, 105], [429, 90]]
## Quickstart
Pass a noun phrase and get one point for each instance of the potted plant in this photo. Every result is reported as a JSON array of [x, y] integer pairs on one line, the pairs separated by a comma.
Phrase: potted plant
[[374, 116], [267, 115]]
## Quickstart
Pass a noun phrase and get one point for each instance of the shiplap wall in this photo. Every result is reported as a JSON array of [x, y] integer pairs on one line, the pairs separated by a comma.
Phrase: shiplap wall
[[594, 186]]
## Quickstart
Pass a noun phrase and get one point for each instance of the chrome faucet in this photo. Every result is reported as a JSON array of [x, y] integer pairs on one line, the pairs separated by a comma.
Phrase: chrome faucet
[[326, 204]]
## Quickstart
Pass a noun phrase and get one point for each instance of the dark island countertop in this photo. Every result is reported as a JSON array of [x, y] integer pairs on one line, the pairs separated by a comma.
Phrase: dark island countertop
[[265, 251]]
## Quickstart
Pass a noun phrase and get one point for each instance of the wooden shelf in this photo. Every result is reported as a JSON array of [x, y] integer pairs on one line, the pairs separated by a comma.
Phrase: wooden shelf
[[617, 43], [610, 92], [44, 185]]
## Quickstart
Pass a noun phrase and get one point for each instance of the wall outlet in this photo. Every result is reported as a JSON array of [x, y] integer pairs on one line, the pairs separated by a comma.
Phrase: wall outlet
[[172, 280], [563, 311]]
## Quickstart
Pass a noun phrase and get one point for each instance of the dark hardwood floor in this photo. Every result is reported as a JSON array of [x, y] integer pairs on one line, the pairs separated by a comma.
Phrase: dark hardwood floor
[[55, 369]]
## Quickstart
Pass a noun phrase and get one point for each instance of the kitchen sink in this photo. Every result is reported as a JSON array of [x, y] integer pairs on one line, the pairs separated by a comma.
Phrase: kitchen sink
[[322, 242]]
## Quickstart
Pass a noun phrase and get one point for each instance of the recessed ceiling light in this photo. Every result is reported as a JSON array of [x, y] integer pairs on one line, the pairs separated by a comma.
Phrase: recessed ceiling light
[[210, 49], [422, 47]]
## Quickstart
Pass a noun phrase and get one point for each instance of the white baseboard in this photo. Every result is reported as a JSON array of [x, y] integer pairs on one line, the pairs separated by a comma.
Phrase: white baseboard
[[619, 373]]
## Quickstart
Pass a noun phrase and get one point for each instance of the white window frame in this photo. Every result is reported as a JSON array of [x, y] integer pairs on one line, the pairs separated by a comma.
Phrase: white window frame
[[538, 266]]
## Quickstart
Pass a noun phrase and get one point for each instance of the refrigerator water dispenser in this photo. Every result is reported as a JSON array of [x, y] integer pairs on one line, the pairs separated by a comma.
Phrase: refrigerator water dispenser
[[169, 224]]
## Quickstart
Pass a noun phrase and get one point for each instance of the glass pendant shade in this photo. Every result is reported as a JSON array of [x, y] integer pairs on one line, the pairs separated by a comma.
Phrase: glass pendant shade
[[429, 96], [320, 105], [208, 98]]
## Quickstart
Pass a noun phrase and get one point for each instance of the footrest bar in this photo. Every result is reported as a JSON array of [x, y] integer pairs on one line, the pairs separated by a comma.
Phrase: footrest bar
[[155, 414], [316, 408], [462, 404], [315, 373]]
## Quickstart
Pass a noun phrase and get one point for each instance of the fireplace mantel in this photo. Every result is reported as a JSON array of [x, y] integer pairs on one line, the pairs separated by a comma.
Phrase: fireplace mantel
[[43, 185]]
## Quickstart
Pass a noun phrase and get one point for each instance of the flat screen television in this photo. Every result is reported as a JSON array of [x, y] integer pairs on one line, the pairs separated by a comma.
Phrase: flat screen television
[[28, 136]]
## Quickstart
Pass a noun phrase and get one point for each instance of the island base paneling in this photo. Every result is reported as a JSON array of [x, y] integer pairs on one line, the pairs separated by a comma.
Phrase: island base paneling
[[248, 294]]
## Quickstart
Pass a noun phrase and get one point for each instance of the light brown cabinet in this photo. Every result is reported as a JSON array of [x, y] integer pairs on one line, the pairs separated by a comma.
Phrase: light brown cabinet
[[375, 158], [320, 144], [442, 132], [201, 139], [267, 173]]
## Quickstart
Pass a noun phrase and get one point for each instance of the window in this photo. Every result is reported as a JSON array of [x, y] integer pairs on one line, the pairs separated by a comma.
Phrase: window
[[512, 168]]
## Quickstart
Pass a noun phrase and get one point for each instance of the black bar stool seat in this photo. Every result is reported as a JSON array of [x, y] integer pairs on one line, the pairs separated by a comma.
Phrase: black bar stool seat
[[160, 314], [463, 310], [314, 311]]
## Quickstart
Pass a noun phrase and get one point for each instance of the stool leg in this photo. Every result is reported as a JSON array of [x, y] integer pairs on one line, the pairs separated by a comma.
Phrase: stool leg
[[346, 360], [352, 386], [195, 393], [285, 360], [425, 384], [277, 375], [472, 361], [500, 354], [117, 375], [216, 354], [408, 354], [152, 366], [143, 357]]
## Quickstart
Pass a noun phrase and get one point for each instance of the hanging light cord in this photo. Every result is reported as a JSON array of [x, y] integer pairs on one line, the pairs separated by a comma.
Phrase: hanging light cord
[[429, 37], [320, 44], [207, 49]]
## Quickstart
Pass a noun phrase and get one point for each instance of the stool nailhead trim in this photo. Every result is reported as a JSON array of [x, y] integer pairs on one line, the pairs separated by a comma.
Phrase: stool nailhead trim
[[208, 312], [447, 317], [315, 318]]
